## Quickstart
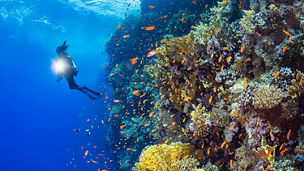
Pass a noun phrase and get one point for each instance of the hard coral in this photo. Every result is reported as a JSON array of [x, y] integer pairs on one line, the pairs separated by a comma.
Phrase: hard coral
[[267, 97], [163, 157], [265, 153]]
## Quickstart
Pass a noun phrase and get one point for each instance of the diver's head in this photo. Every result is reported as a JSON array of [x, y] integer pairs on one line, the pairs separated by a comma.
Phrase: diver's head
[[61, 49]]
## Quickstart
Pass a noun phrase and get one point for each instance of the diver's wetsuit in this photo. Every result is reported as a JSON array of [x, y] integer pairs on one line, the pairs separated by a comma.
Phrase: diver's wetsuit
[[71, 71]]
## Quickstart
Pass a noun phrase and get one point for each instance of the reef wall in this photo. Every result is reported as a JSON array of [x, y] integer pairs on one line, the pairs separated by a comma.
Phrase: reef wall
[[222, 83]]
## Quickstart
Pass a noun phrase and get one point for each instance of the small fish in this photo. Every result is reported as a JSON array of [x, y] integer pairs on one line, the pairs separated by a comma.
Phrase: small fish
[[231, 164], [136, 92], [284, 49], [214, 89], [268, 154], [271, 134], [286, 32], [224, 3], [116, 101], [206, 6], [151, 53], [229, 59], [242, 49], [208, 151], [182, 19], [220, 59], [150, 28], [85, 154], [151, 7], [301, 82], [122, 126], [163, 41], [222, 68], [234, 113], [131, 149], [276, 75], [164, 17], [290, 40], [300, 150], [230, 127], [283, 151], [210, 99], [225, 48], [281, 146], [241, 5], [194, 1], [288, 134], [258, 34], [245, 83], [222, 145], [217, 30], [126, 36], [134, 60], [121, 28]]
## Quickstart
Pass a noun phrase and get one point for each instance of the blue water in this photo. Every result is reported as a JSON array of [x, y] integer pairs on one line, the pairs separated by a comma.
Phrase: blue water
[[39, 115]]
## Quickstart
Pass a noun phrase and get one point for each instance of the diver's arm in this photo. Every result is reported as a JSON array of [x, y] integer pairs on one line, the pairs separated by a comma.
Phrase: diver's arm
[[75, 68], [59, 78]]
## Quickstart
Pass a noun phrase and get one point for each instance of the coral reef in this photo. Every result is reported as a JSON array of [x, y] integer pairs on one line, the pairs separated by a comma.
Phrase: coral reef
[[224, 88], [165, 157]]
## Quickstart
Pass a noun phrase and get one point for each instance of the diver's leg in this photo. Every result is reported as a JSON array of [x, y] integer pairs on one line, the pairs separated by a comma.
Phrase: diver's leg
[[87, 93], [74, 85], [92, 91]]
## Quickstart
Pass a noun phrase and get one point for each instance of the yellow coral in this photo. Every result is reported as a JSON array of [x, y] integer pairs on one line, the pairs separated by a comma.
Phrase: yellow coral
[[297, 86], [246, 22], [163, 157], [265, 152], [267, 97]]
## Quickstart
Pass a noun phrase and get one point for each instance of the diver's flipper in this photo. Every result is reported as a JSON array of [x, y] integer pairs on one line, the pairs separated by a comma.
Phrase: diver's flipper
[[92, 97], [92, 91]]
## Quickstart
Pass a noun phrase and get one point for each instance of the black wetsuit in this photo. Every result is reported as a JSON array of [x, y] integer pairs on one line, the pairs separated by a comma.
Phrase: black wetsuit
[[71, 72]]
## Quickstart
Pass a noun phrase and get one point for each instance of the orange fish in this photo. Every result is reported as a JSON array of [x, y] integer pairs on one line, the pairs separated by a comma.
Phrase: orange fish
[[134, 60], [206, 6], [150, 28], [208, 151], [220, 59], [242, 49], [234, 113], [225, 48], [150, 7], [271, 134], [300, 150], [151, 53], [163, 41], [230, 127], [245, 83], [194, 1], [182, 19], [126, 36], [288, 134], [121, 28], [223, 144], [122, 126], [229, 59], [276, 75], [116, 101], [286, 32], [222, 68], [281, 146], [283, 151], [284, 49], [241, 5], [231, 164], [267, 155], [164, 17], [85, 154], [136, 92], [131, 149], [217, 30], [224, 3]]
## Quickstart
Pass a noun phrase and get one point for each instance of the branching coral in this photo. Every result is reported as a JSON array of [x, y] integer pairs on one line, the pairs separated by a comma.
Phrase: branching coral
[[267, 97], [188, 164], [297, 86], [247, 21], [164, 157], [266, 153]]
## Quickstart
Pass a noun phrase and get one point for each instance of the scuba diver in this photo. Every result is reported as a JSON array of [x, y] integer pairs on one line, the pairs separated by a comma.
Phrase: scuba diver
[[63, 65]]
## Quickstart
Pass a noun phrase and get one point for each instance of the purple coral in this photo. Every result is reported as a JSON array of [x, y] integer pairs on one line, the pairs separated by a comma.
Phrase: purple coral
[[230, 132], [255, 128]]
